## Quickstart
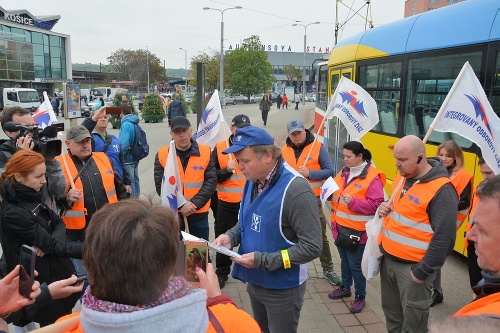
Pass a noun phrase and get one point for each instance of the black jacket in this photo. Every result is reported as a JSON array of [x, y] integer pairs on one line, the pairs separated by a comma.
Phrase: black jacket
[[206, 190], [26, 220]]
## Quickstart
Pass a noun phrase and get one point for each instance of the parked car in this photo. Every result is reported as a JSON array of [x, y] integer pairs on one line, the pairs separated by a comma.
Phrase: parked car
[[312, 98], [229, 100], [188, 98], [256, 98]]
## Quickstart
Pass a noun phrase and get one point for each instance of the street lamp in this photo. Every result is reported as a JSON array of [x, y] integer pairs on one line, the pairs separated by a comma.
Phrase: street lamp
[[221, 85], [304, 75], [147, 64], [185, 64]]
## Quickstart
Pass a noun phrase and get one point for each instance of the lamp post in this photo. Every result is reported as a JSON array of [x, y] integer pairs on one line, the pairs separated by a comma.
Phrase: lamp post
[[304, 75], [185, 64], [221, 85], [147, 64]]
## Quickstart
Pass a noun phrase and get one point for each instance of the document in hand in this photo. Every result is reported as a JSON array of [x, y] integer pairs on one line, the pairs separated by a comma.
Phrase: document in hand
[[219, 249]]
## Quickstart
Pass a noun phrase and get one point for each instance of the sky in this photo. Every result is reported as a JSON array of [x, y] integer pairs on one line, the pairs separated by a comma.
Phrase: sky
[[98, 28]]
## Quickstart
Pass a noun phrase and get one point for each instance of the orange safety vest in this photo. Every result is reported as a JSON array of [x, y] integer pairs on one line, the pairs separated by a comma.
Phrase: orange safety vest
[[74, 218], [312, 162], [357, 189], [193, 177], [228, 315], [230, 190], [487, 305], [459, 180], [406, 231]]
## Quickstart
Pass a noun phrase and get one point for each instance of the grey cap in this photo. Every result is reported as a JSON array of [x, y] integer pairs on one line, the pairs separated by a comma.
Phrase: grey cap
[[179, 122], [294, 125], [77, 133]]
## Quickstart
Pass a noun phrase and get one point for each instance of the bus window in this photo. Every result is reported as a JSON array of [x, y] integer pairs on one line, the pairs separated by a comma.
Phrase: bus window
[[322, 88]]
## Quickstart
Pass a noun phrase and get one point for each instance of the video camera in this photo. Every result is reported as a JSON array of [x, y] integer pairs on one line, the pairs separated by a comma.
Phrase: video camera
[[45, 141]]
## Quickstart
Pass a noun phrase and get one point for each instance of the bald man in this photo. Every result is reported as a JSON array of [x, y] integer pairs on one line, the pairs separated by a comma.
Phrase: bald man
[[418, 235]]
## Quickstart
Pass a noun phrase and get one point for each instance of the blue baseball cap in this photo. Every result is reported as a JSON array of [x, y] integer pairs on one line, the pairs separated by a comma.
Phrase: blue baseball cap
[[249, 136]]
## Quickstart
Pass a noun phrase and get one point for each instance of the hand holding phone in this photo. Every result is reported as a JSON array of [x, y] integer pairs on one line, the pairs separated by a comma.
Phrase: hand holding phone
[[27, 270]]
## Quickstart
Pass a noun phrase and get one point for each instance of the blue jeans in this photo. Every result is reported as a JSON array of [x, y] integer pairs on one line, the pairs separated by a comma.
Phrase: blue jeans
[[133, 171], [350, 264]]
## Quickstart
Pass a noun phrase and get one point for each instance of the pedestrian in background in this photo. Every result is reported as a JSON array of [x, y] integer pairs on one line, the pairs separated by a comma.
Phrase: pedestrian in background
[[284, 101], [279, 99], [175, 109], [296, 99], [265, 106]]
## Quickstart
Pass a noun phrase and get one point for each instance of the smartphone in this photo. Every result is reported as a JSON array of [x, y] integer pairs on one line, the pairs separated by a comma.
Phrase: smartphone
[[196, 255], [80, 279], [27, 271]]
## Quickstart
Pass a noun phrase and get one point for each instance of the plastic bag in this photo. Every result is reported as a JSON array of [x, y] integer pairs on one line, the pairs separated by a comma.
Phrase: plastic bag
[[372, 257]]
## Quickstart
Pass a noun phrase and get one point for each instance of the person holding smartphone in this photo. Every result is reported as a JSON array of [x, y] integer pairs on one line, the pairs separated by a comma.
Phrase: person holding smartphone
[[26, 220]]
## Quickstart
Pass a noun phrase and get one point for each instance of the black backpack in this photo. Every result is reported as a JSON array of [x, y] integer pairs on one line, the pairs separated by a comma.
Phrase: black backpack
[[140, 148]]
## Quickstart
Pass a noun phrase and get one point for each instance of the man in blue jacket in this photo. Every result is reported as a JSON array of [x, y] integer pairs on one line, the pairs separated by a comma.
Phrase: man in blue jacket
[[175, 109], [127, 139]]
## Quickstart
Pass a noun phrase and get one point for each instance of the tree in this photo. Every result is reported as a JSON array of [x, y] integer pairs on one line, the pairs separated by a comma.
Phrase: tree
[[292, 74], [212, 68], [131, 65], [249, 72]]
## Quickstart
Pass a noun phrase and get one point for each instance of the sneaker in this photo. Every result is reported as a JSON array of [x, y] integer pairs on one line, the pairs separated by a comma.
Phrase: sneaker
[[332, 277], [437, 297], [222, 280], [358, 304], [340, 293]]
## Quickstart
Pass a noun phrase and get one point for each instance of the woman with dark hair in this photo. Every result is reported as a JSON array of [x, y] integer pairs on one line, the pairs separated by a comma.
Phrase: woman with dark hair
[[25, 220], [361, 192], [452, 157]]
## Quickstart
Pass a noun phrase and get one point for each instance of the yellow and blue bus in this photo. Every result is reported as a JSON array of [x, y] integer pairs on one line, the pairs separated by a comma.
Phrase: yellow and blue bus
[[408, 67]]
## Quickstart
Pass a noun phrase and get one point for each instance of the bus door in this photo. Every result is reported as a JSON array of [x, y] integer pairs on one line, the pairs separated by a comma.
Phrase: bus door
[[338, 135]]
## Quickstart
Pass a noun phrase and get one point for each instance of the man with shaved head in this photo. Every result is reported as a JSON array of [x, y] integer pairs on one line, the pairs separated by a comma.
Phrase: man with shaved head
[[418, 234]]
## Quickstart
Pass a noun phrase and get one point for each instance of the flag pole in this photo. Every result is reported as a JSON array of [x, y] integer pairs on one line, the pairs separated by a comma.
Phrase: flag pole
[[440, 113], [186, 227], [323, 121]]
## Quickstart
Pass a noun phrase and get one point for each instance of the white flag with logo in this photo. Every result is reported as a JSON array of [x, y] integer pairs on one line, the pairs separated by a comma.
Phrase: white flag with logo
[[44, 115], [171, 185], [329, 186], [355, 108], [211, 129], [467, 112]]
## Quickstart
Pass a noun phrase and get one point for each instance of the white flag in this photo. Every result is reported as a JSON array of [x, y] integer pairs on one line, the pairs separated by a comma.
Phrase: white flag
[[171, 185], [355, 108], [44, 115], [329, 186], [467, 112], [211, 129]]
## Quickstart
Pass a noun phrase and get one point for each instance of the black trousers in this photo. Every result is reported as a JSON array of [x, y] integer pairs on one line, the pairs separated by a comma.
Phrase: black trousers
[[227, 217], [264, 116]]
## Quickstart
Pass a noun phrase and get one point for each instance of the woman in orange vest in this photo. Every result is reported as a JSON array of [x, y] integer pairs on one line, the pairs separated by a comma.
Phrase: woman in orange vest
[[361, 192], [452, 157]]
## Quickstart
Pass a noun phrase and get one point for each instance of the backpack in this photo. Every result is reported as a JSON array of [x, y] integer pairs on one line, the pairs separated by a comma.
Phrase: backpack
[[140, 148]]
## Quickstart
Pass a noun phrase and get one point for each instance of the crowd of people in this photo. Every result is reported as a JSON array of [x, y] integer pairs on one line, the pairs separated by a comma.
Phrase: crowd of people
[[81, 213]]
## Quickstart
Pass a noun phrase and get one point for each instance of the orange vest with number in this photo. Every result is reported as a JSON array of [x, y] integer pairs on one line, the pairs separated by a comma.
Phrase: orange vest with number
[[312, 162], [74, 218], [230, 190], [406, 231], [357, 189], [487, 305], [459, 180], [193, 177]]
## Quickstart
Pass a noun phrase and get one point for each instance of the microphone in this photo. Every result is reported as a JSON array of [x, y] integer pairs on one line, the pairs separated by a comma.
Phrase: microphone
[[49, 132], [11, 126]]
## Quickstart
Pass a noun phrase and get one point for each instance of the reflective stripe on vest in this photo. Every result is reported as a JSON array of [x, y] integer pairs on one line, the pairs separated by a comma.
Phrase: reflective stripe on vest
[[193, 177], [312, 162], [74, 218], [475, 200], [230, 190], [357, 188], [407, 231]]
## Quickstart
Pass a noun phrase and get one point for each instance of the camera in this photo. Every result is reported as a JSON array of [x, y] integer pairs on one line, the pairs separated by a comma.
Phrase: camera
[[45, 141]]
